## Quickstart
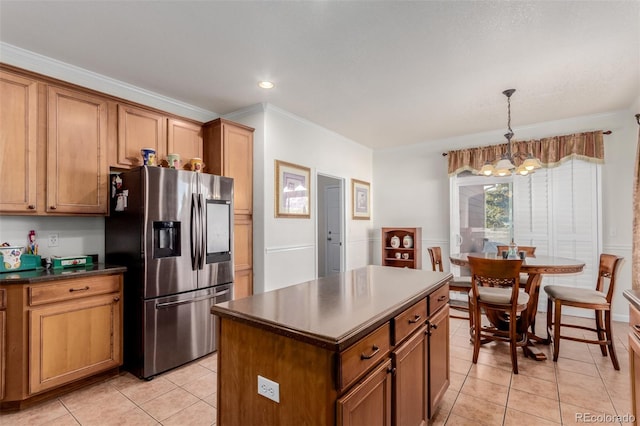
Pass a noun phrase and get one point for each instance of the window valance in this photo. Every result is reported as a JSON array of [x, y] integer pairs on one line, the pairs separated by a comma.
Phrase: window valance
[[552, 151]]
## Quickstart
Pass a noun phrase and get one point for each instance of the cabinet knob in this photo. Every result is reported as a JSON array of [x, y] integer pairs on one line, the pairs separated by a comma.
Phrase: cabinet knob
[[31, 207], [52, 207], [391, 370], [433, 326], [116, 299]]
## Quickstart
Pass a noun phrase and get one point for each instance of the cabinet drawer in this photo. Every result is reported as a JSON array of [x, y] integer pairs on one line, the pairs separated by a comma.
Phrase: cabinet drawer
[[409, 320], [362, 356], [73, 289], [438, 299]]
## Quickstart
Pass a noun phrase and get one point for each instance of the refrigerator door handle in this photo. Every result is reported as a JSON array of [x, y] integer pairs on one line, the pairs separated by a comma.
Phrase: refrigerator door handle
[[203, 231], [183, 302], [194, 232]]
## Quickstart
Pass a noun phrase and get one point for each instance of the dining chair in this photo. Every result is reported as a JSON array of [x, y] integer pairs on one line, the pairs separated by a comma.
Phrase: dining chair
[[529, 250], [495, 288], [598, 300], [459, 285]]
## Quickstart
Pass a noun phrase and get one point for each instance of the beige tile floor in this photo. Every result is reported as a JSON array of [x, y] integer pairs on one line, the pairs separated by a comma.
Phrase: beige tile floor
[[581, 383]]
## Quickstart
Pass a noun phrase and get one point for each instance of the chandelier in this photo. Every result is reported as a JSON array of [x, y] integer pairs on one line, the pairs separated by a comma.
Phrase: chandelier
[[505, 165]]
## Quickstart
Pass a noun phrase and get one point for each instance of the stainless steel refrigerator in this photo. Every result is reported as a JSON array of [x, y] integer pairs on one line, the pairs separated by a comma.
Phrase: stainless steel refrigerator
[[173, 230]]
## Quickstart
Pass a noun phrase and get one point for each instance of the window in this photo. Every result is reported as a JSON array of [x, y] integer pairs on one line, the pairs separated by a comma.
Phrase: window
[[556, 209]]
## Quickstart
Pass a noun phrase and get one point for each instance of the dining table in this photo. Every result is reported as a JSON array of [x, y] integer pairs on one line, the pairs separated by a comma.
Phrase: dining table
[[535, 267]]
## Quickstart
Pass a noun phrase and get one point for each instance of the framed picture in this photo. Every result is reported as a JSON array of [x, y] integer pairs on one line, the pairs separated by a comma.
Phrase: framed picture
[[361, 192], [293, 190]]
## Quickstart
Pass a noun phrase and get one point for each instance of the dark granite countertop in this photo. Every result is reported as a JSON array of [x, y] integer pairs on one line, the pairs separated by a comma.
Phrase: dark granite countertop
[[633, 296], [335, 311], [43, 275]]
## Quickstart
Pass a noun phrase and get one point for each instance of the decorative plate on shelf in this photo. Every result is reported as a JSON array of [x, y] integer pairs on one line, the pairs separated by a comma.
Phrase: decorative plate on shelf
[[395, 241]]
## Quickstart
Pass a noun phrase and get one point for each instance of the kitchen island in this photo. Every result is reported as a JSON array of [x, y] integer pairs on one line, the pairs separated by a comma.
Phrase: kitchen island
[[360, 347]]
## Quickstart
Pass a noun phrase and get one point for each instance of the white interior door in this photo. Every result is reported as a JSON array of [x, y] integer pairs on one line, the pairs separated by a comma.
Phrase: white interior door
[[333, 208]]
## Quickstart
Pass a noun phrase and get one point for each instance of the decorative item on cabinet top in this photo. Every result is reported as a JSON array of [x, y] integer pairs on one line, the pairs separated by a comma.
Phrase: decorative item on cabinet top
[[407, 241], [395, 241]]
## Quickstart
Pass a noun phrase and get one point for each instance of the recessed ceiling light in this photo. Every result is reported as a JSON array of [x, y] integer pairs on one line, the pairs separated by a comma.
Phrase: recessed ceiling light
[[266, 84]]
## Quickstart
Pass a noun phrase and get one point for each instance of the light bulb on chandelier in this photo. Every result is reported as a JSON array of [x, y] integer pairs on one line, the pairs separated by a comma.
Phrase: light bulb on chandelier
[[505, 165]]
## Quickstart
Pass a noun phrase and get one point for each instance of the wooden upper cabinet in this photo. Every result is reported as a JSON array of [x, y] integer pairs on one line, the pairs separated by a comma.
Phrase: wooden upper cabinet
[[77, 169], [18, 141], [139, 128], [228, 151], [184, 138]]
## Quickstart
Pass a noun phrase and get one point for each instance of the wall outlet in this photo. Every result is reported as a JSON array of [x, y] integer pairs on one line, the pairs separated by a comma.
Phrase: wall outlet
[[53, 240], [269, 389]]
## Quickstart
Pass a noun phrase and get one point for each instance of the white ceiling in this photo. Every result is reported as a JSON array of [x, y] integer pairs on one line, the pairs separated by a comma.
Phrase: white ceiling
[[383, 73]]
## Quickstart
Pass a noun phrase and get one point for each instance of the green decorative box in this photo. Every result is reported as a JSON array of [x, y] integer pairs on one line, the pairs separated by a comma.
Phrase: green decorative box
[[58, 262], [27, 263]]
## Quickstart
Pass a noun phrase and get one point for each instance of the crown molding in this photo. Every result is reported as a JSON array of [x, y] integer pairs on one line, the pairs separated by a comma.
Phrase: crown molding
[[45, 65]]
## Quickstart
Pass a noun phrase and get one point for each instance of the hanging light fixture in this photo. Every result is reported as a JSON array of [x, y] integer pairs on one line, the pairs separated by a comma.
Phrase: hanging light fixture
[[505, 165]]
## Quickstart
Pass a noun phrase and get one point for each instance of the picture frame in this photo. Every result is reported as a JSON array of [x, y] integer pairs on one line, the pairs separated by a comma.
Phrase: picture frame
[[292, 190], [361, 199]]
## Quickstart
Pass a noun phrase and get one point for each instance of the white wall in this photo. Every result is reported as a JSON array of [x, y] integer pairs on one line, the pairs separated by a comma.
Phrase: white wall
[[412, 186], [289, 253]]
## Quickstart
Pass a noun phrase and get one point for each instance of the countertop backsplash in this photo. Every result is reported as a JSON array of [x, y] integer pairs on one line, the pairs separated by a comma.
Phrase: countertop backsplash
[[75, 235]]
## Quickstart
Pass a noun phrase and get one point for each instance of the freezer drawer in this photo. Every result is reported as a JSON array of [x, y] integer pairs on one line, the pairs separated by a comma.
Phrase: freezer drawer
[[180, 328]]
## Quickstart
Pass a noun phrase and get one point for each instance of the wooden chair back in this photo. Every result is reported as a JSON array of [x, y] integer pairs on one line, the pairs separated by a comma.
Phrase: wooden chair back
[[607, 272], [529, 250], [495, 273], [436, 258]]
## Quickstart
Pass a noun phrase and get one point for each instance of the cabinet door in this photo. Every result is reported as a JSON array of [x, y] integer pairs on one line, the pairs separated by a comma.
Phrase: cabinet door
[[238, 164], [72, 340], [139, 128], [438, 350], [18, 133], [369, 402], [184, 138], [243, 284], [242, 243], [77, 169], [410, 380]]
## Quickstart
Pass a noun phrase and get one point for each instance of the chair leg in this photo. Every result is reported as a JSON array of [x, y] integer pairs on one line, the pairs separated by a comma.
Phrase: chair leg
[[477, 321], [600, 330], [609, 332], [556, 330], [549, 318], [513, 338]]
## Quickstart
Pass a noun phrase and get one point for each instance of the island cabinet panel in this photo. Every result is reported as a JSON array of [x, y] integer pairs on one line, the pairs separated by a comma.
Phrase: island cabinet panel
[[438, 351], [634, 358], [369, 402], [375, 359], [18, 141], [77, 169], [303, 372], [410, 362]]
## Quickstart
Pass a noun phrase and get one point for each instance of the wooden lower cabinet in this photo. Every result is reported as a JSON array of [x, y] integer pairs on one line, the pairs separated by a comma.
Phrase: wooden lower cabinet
[[243, 284], [410, 380], [634, 360], [368, 403], [438, 351], [60, 334], [3, 316], [70, 341]]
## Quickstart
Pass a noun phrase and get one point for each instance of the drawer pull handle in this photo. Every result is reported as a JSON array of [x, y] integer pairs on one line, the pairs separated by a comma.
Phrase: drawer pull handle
[[442, 298], [52, 207], [31, 207], [375, 351], [434, 326], [415, 319], [85, 288], [637, 327]]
